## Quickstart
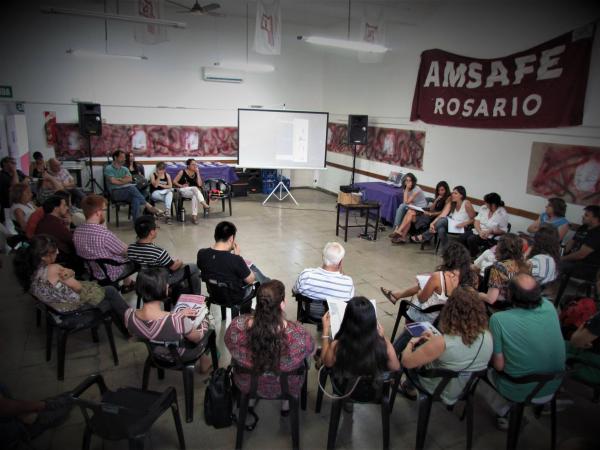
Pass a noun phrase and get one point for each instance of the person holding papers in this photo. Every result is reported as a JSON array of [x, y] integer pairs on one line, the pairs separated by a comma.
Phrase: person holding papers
[[422, 217], [489, 225], [413, 195], [456, 216]]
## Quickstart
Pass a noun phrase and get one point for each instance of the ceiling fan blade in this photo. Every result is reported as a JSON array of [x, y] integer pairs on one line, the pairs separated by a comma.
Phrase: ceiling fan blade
[[187, 8], [210, 7]]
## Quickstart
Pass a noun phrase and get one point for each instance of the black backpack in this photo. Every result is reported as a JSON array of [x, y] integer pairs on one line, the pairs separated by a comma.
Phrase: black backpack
[[218, 399]]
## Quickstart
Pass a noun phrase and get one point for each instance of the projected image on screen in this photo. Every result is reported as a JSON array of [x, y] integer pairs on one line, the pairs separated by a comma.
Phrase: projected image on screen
[[282, 139]]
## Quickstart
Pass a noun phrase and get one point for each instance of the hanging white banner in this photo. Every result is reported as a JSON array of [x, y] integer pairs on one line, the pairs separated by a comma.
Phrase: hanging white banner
[[372, 30], [267, 34], [150, 33]]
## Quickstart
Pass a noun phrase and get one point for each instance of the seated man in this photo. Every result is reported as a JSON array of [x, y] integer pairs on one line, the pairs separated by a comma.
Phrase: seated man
[[121, 187], [63, 178], [55, 223], [146, 253], [527, 340], [582, 253], [327, 281], [223, 261], [94, 241]]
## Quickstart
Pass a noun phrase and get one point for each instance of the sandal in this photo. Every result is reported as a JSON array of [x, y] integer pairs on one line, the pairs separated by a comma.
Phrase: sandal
[[389, 295], [398, 240], [407, 391], [126, 288], [417, 239], [393, 234]]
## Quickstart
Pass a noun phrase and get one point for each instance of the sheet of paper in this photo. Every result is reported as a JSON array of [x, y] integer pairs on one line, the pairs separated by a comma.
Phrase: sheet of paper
[[337, 308], [452, 226], [416, 208], [195, 302], [423, 279]]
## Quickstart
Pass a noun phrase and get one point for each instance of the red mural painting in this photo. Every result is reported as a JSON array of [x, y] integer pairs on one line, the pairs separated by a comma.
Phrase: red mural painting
[[388, 145], [148, 140], [571, 172]]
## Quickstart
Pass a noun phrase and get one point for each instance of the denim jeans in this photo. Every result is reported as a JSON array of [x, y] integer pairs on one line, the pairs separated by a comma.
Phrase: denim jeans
[[400, 212], [131, 194]]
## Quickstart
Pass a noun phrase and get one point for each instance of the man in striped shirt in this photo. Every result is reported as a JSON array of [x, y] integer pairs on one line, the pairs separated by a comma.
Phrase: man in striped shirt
[[147, 254], [327, 281]]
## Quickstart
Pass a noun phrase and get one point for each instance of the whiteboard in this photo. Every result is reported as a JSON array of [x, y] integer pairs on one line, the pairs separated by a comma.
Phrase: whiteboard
[[271, 139]]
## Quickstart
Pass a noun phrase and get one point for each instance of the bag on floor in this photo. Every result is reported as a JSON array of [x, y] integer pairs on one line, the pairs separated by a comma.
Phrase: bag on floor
[[218, 399], [575, 313]]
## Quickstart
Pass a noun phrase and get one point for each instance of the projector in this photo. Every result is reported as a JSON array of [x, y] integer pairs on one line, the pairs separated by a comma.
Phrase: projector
[[348, 189]]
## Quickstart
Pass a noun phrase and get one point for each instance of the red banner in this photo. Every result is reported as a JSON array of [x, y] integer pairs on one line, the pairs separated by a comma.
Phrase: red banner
[[542, 87]]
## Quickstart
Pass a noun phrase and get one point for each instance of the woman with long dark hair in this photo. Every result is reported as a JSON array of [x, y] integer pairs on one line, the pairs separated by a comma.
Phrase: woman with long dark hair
[[544, 255], [360, 347], [190, 183], [266, 341], [38, 273], [413, 195]]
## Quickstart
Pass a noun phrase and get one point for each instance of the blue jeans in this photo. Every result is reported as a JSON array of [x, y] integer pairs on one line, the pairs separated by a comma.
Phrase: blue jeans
[[132, 195], [441, 228], [400, 212]]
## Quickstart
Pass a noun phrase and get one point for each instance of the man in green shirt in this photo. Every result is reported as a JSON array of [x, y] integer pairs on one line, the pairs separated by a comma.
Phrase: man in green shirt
[[527, 340], [121, 187]]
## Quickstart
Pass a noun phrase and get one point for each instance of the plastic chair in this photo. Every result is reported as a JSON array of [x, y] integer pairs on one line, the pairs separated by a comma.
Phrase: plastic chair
[[565, 279], [368, 390], [517, 408], [403, 312], [303, 314], [67, 323], [224, 294], [218, 189], [110, 201], [174, 288], [103, 264], [425, 399], [127, 413], [244, 399], [171, 359], [572, 363]]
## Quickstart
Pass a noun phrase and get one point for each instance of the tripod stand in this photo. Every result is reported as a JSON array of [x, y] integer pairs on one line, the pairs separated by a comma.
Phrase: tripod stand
[[92, 183], [353, 164], [281, 186]]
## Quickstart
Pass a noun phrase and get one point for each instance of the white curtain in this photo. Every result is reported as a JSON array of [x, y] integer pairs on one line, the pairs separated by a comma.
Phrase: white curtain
[[267, 34]]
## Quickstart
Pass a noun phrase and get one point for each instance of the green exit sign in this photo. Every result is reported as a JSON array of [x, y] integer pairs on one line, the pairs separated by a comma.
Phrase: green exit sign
[[6, 91]]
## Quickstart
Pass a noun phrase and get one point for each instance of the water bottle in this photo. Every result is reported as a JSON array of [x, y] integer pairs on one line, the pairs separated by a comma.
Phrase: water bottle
[[182, 214]]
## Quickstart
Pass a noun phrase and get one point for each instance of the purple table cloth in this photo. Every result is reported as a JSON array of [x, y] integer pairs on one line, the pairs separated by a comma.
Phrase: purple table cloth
[[207, 171], [388, 196]]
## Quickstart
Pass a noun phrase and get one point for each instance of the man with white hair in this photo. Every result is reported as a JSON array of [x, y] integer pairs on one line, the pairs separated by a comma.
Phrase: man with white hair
[[327, 281]]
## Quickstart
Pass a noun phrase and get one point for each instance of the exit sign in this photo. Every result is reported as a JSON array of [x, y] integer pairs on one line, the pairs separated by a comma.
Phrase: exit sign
[[6, 91]]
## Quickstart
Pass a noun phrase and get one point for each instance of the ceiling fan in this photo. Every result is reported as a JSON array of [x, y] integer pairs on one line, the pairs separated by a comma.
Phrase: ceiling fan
[[199, 10]]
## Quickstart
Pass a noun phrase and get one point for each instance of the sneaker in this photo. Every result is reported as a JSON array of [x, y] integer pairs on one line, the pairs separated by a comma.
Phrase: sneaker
[[168, 220]]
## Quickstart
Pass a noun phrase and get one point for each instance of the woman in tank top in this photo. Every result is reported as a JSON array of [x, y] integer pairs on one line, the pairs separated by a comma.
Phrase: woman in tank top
[[21, 206], [161, 189], [189, 183]]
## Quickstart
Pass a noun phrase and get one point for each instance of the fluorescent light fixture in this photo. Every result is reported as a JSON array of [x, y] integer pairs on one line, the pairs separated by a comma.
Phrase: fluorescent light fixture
[[360, 46], [109, 16], [244, 67], [92, 54]]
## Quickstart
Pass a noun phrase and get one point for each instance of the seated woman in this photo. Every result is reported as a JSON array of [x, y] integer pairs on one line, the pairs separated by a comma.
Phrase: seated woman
[[21, 206], [490, 223], [464, 346], [161, 189], [554, 215], [509, 262], [51, 283], [454, 271], [459, 210], [38, 168], [190, 183], [360, 347], [413, 195], [422, 219], [544, 255], [152, 323], [267, 342]]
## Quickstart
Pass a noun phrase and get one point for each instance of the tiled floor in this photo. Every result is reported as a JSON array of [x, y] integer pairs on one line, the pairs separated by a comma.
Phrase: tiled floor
[[281, 239]]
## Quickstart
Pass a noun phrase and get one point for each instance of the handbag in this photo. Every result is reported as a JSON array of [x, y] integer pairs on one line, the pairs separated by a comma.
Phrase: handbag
[[140, 181], [91, 293]]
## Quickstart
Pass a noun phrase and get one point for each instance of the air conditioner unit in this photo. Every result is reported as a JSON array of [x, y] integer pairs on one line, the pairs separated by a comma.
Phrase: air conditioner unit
[[219, 75]]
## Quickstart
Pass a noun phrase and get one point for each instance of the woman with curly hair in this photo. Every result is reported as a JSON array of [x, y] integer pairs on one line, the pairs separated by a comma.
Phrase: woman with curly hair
[[464, 346], [265, 341], [360, 347], [509, 263], [544, 255]]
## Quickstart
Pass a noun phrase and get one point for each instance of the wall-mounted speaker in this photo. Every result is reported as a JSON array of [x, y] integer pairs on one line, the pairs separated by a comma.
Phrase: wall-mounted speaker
[[357, 129], [90, 119]]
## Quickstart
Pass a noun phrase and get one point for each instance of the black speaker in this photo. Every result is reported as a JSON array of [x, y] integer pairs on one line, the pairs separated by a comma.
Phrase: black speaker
[[90, 119], [357, 129]]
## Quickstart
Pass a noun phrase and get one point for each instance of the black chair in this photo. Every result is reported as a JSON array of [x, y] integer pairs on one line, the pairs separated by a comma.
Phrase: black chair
[[243, 399], [226, 295], [303, 314], [67, 323], [517, 408], [163, 355], [175, 290], [367, 390], [426, 399], [103, 264], [573, 364], [405, 305], [218, 189], [110, 201], [127, 413], [589, 285]]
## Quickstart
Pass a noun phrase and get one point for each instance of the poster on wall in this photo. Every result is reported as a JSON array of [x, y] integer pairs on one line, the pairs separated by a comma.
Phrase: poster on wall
[[148, 141], [542, 87], [571, 172], [387, 145]]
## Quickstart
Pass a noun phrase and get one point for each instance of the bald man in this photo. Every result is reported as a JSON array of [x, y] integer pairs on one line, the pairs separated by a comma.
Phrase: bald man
[[527, 340]]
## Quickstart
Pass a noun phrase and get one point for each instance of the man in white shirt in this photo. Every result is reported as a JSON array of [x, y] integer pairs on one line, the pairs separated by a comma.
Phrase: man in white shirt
[[63, 180], [327, 281]]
